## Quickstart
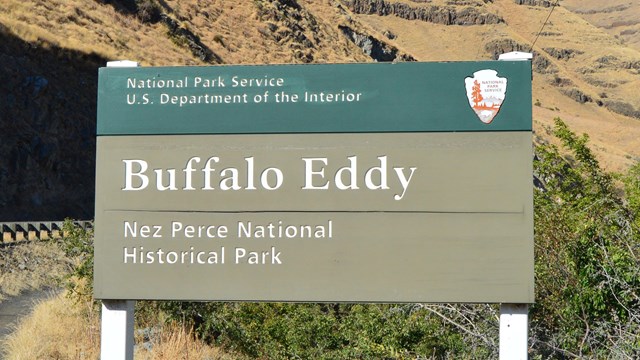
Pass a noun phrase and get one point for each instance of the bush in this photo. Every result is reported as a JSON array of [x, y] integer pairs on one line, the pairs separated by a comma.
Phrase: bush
[[587, 264], [148, 11], [344, 331], [77, 243]]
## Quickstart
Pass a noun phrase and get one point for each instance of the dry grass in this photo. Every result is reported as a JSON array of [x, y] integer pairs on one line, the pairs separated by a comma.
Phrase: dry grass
[[619, 18], [231, 29], [177, 343], [30, 265], [234, 30], [614, 137], [63, 328], [58, 328], [91, 27], [240, 33]]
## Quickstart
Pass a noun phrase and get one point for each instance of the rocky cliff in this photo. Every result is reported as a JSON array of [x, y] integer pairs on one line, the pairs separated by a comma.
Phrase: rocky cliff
[[444, 15], [47, 160]]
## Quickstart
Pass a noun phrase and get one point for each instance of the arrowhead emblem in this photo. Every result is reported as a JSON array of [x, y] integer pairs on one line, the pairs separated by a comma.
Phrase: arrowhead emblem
[[486, 92]]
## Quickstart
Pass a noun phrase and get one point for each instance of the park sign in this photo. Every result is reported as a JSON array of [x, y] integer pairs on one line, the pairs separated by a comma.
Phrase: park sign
[[403, 182]]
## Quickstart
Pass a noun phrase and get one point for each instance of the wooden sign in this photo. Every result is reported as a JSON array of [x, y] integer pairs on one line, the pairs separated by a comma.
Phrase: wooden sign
[[338, 183]]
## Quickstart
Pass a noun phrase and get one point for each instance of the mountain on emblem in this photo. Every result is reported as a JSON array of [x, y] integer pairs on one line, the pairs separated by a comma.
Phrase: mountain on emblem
[[486, 92]]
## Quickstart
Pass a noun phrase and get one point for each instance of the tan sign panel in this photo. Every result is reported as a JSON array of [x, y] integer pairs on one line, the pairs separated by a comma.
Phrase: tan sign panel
[[415, 217]]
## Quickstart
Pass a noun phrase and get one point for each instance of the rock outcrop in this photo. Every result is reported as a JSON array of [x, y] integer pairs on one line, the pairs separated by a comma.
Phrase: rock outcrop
[[540, 63], [376, 49], [577, 95], [48, 125], [543, 3], [562, 54], [622, 108], [290, 25], [444, 15], [185, 37]]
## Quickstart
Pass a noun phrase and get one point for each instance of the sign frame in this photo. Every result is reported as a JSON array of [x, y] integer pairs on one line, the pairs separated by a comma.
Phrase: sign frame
[[169, 169], [118, 314]]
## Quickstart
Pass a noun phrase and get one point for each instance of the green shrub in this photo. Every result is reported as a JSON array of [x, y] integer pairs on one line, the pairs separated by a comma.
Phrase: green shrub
[[337, 331], [77, 243], [587, 265]]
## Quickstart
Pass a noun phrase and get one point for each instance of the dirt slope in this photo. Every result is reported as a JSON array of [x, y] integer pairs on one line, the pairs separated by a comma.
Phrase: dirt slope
[[581, 73], [619, 18]]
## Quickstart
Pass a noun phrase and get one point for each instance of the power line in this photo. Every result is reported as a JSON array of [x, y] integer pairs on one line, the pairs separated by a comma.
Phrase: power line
[[544, 24]]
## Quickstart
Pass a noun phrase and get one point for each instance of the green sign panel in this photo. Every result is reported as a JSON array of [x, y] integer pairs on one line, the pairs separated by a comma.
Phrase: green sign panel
[[205, 194], [401, 97]]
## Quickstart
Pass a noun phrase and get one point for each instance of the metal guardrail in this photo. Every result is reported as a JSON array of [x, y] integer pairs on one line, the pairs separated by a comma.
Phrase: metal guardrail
[[36, 230]]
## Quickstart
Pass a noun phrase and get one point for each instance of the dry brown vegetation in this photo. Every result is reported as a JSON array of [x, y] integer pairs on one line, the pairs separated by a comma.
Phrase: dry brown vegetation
[[174, 342], [29, 266], [62, 327], [600, 66], [620, 18], [58, 328], [66, 326], [238, 32], [259, 32], [90, 27]]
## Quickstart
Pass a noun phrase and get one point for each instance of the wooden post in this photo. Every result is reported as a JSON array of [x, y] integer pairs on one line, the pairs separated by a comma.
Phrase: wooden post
[[514, 331], [116, 340]]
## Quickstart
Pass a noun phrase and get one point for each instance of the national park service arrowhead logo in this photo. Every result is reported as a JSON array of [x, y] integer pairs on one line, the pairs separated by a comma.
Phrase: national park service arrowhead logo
[[486, 92]]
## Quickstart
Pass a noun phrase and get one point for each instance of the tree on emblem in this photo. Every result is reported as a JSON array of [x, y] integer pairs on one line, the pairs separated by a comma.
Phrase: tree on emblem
[[475, 93], [485, 108]]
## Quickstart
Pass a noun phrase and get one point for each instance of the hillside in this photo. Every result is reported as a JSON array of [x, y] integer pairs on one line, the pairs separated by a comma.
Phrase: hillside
[[620, 18], [586, 70]]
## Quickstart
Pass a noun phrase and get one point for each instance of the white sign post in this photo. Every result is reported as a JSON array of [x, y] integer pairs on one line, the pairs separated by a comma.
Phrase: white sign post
[[116, 339], [514, 329], [514, 318]]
